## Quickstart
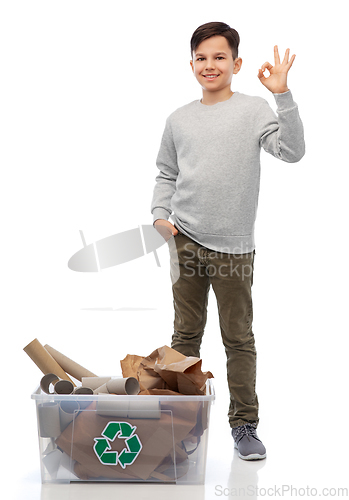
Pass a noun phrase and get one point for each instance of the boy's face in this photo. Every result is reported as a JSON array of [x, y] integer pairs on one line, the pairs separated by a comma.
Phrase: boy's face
[[214, 57]]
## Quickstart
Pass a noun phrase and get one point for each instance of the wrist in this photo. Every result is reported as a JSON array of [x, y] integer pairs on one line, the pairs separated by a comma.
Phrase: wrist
[[282, 90]]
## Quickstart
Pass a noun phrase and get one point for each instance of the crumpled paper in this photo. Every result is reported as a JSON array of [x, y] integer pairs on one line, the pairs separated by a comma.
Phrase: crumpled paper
[[166, 371]]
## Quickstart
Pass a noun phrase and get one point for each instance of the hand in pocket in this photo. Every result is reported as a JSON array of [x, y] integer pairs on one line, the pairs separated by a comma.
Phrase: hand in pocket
[[165, 228]]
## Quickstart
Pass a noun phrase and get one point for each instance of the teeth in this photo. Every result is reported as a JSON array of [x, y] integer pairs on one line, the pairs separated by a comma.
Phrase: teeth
[[209, 76]]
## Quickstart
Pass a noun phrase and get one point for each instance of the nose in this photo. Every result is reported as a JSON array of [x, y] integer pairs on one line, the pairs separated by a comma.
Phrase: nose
[[209, 64]]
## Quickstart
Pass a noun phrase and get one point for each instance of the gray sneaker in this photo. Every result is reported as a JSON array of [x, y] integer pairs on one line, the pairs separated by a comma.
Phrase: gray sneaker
[[246, 441]]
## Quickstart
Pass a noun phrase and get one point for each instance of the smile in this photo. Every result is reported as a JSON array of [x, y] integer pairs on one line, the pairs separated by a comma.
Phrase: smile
[[211, 77]]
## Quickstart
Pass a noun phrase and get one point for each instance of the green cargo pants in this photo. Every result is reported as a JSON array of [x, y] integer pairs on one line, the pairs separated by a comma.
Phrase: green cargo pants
[[193, 269]]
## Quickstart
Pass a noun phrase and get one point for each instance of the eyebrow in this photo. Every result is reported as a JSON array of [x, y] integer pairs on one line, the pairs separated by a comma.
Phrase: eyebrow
[[200, 54]]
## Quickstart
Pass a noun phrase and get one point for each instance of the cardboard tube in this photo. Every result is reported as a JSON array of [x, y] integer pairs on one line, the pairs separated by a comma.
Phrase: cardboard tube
[[47, 380], [101, 390], [113, 408], [67, 412], [129, 385], [131, 409], [94, 382], [122, 386], [74, 369], [144, 409], [83, 390], [44, 360], [49, 423], [64, 387]]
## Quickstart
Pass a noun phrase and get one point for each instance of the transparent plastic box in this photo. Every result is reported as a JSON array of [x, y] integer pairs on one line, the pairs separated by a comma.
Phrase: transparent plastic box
[[108, 437]]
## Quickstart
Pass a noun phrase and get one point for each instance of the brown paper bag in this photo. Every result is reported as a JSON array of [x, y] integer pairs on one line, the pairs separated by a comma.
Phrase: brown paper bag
[[166, 369]]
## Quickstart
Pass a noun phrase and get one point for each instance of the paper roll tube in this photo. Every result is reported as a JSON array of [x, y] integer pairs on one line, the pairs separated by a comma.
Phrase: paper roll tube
[[144, 409], [94, 382], [47, 380], [49, 423], [113, 408], [83, 390], [131, 409], [67, 412], [64, 387], [121, 386], [129, 385], [74, 369], [44, 360], [101, 390]]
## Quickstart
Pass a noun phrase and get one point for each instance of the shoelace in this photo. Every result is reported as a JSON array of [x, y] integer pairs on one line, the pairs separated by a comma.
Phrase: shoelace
[[245, 430]]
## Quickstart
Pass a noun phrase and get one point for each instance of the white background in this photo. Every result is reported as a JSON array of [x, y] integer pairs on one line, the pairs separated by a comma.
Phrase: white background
[[86, 88]]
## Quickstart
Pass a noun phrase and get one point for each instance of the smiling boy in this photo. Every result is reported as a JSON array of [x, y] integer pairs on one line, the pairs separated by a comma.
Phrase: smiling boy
[[209, 162]]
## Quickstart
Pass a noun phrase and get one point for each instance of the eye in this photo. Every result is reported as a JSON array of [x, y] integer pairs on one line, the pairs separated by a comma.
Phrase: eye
[[220, 57]]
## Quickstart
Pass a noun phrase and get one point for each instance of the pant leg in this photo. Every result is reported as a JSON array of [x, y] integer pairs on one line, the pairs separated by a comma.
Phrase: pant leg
[[190, 287], [231, 278]]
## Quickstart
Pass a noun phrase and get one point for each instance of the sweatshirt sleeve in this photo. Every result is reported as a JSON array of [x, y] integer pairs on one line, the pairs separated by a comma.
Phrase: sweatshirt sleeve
[[166, 179], [282, 136]]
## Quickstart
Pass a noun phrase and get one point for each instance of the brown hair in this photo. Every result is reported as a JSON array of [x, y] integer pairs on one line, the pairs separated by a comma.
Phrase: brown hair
[[212, 29]]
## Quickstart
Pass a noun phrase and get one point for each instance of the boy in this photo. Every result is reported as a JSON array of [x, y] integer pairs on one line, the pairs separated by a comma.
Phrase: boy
[[209, 162]]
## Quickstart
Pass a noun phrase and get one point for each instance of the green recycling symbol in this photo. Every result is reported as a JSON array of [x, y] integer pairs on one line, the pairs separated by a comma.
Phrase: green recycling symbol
[[122, 430]]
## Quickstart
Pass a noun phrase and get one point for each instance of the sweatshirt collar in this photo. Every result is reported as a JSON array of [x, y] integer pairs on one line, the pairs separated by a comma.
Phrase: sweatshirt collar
[[218, 104]]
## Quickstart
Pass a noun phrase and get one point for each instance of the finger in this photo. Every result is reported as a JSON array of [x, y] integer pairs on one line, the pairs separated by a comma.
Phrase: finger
[[276, 55], [267, 66], [288, 65], [287, 53]]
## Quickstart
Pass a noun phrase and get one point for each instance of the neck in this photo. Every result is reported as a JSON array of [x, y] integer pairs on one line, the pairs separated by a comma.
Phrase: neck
[[210, 98]]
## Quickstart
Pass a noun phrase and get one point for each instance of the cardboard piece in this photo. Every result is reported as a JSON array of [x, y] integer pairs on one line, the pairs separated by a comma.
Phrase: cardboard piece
[[51, 461], [74, 369], [43, 359]]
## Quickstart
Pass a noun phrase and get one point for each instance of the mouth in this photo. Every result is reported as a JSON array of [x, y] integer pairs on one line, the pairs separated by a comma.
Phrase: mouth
[[210, 77]]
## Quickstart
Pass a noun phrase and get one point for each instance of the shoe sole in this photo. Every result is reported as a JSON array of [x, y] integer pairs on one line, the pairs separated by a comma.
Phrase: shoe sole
[[253, 456]]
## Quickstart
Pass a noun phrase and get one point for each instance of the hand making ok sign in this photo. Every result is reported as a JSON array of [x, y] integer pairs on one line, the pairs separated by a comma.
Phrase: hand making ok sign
[[276, 82]]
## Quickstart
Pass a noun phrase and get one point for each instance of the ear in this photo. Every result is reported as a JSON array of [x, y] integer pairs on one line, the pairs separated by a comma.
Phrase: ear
[[192, 65], [237, 65]]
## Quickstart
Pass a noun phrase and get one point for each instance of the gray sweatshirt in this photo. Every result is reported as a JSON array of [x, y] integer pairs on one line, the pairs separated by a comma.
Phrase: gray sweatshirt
[[209, 162]]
